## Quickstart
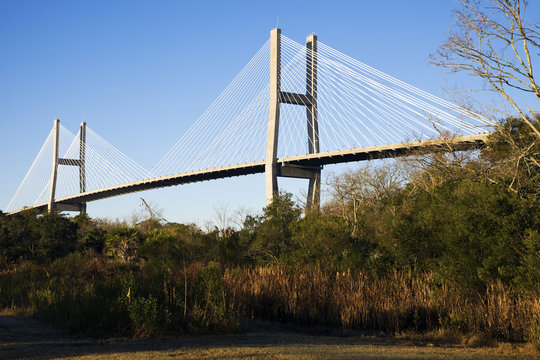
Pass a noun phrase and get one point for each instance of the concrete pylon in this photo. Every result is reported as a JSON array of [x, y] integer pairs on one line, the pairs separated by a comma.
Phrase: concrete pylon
[[54, 170], [52, 205], [271, 168], [314, 190], [82, 164], [309, 99]]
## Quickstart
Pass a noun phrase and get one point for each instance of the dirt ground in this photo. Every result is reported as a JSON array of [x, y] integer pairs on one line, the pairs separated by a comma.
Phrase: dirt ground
[[30, 338]]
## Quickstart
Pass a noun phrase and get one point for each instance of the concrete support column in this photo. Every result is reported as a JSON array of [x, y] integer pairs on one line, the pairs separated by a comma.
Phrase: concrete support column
[[54, 170], [311, 93], [271, 169], [314, 189], [82, 163]]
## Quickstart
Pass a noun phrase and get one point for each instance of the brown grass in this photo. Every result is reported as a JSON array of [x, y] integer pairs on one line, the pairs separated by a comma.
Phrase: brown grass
[[396, 303]]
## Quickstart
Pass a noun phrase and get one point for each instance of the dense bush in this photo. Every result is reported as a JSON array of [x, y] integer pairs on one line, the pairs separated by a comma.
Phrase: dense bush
[[100, 296], [41, 238]]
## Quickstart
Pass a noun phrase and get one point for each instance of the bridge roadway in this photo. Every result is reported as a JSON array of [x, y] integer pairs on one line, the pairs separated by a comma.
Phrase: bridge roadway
[[298, 162]]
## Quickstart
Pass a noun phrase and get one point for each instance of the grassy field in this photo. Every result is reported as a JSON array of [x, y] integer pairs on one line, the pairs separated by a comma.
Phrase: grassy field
[[29, 338]]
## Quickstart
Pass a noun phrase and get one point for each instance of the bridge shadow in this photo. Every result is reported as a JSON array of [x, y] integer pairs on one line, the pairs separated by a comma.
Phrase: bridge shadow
[[32, 338]]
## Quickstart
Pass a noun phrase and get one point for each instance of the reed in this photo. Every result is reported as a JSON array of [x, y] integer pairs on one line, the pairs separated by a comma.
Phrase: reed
[[401, 301]]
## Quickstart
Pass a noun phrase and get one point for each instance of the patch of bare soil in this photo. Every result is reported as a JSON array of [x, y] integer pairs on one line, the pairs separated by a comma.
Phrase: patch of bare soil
[[22, 338]]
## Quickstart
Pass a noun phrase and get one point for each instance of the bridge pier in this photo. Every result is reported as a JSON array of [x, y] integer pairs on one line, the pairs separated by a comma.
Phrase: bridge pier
[[309, 100], [52, 205]]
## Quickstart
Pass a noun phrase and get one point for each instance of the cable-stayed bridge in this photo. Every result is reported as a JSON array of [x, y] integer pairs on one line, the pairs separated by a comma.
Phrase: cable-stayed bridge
[[292, 109]]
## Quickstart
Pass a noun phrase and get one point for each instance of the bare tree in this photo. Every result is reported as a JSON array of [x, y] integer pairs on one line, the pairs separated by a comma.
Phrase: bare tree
[[222, 215], [351, 192], [495, 42]]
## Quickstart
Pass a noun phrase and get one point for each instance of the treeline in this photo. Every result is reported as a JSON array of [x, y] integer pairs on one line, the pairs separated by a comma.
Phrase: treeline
[[446, 242]]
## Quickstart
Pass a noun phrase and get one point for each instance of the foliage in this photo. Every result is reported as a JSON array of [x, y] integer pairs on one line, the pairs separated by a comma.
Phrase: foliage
[[323, 241], [271, 232], [43, 238], [467, 232], [513, 157], [122, 243]]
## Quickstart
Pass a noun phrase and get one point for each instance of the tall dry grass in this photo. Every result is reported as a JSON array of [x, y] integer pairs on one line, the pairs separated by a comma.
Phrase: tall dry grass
[[398, 302]]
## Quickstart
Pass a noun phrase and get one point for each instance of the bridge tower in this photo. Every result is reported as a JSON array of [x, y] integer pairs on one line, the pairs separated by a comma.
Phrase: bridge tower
[[80, 162], [309, 100]]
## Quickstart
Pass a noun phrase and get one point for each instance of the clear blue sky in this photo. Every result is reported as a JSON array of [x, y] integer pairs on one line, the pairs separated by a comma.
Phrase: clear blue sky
[[141, 72]]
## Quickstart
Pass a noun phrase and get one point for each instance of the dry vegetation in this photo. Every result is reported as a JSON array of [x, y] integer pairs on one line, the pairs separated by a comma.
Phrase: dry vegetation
[[392, 304]]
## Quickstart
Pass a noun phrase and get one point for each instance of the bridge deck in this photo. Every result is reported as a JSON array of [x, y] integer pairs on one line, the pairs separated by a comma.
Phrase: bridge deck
[[334, 157]]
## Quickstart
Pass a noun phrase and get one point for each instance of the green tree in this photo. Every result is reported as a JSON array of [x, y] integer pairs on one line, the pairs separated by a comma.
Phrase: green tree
[[468, 232], [272, 235], [37, 237], [122, 242], [19, 236], [58, 236], [324, 241]]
